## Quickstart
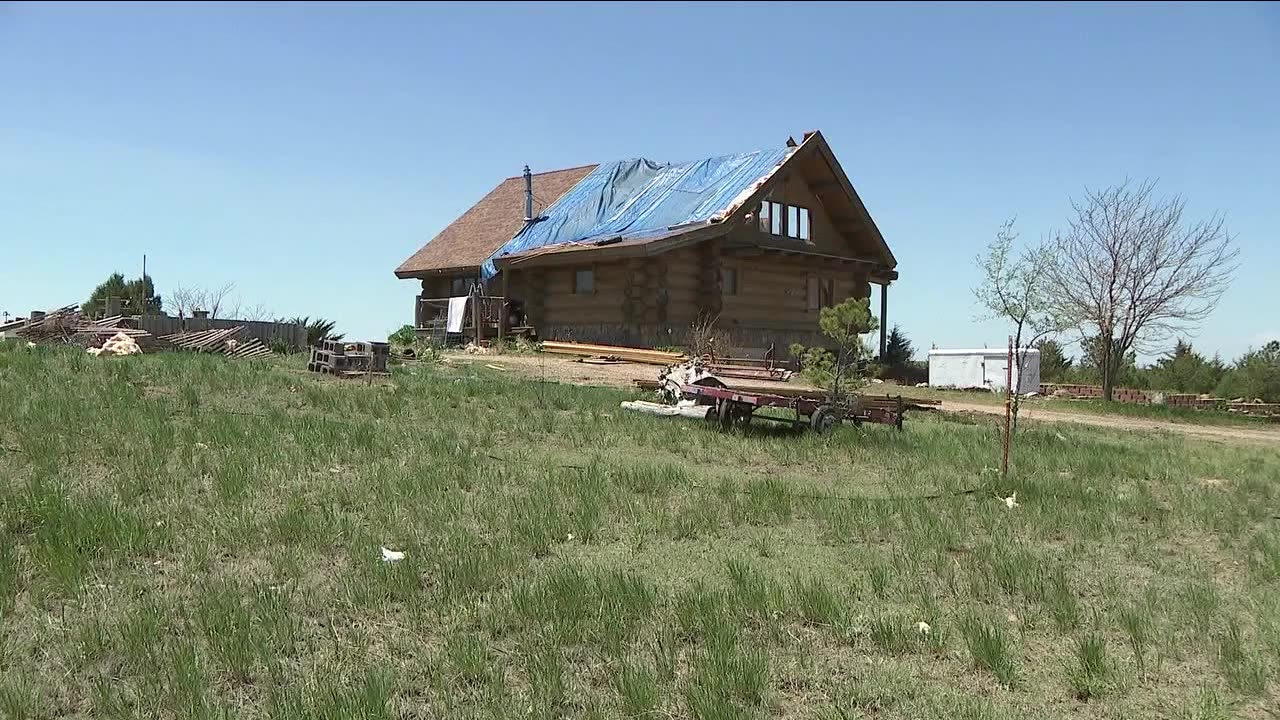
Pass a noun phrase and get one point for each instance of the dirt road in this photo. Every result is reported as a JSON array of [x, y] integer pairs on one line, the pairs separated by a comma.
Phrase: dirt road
[[1209, 432], [562, 369]]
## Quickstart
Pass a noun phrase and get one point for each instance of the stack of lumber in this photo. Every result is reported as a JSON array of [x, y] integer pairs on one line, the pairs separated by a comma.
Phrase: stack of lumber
[[635, 355], [748, 372]]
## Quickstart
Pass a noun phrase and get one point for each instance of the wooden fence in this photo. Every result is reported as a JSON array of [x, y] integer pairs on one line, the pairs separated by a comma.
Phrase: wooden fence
[[290, 334]]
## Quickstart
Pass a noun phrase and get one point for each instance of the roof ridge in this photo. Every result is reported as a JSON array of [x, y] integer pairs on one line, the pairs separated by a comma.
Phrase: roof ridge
[[557, 170]]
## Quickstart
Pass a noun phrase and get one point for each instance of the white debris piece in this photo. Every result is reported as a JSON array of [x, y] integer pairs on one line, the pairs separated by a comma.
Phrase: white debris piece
[[118, 344], [698, 412], [474, 349], [923, 628], [569, 537], [30, 344], [1011, 502], [391, 556]]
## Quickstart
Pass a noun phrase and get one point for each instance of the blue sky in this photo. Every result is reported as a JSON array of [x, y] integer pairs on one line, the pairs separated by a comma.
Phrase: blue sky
[[303, 151]]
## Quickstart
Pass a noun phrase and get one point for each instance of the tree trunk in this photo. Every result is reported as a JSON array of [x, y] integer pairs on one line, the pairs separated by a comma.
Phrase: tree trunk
[[1108, 371]]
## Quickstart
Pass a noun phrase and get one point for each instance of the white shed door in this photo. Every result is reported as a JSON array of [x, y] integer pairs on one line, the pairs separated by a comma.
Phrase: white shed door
[[994, 371]]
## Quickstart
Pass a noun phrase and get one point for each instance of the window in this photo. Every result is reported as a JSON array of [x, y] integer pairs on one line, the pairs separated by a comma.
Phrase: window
[[584, 282], [460, 286], [728, 281], [821, 292], [791, 221]]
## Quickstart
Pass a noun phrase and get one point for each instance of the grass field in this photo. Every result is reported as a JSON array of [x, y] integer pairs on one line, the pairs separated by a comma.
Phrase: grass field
[[185, 537]]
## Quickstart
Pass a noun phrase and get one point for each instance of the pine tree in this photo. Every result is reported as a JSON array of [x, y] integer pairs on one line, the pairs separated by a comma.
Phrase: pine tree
[[897, 349]]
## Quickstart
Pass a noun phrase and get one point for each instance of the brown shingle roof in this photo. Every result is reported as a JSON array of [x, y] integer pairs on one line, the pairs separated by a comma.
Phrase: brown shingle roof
[[489, 224]]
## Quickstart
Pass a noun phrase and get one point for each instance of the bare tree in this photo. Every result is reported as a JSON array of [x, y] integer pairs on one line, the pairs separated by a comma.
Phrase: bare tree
[[214, 300], [1131, 270], [1015, 288], [257, 313], [183, 300], [187, 300]]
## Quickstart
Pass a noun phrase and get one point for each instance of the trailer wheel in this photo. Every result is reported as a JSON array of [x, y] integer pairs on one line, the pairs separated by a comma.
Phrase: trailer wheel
[[734, 415], [823, 419]]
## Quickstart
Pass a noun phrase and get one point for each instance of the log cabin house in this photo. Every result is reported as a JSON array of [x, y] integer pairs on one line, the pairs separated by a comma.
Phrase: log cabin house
[[633, 252]]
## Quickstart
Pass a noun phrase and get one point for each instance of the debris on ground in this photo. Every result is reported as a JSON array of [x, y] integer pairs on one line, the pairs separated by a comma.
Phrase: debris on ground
[[1011, 501], [923, 628], [685, 408], [494, 367], [118, 344], [391, 556], [474, 349]]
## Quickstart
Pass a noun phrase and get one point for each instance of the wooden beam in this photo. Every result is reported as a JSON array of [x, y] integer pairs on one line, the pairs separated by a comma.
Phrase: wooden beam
[[884, 310]]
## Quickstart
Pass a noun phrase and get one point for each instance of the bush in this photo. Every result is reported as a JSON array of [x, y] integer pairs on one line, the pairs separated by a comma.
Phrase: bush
[[705, 340], [404, 337]]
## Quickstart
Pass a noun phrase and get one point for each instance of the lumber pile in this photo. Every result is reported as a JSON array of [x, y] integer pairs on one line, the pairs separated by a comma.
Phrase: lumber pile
[[223, 341], [204, 340], [748, 372], [618, 352], [336, 357], [253, 349]]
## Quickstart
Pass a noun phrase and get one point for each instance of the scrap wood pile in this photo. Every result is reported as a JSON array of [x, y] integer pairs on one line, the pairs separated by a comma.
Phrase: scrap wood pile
[[336, 357], [67, 325]]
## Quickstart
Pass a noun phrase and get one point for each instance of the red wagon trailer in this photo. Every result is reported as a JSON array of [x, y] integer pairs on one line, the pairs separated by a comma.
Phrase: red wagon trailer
[[736, 408]]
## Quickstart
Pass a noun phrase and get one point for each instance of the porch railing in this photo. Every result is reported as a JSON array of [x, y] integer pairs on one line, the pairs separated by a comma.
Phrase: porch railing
[[484, 317]]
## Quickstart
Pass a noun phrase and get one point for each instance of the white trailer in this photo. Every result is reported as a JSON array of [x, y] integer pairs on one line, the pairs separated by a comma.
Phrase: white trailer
[[983, 368]]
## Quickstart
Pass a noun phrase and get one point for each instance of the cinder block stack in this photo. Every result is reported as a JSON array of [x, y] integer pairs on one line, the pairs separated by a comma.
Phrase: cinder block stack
[[338, 358]]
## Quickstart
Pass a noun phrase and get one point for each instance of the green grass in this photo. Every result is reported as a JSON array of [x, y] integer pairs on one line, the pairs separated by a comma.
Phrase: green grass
[[184, 536], [1089, 674]]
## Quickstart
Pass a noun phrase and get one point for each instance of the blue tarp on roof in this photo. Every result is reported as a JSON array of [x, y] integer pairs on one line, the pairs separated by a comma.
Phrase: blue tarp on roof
[[632, 199]]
